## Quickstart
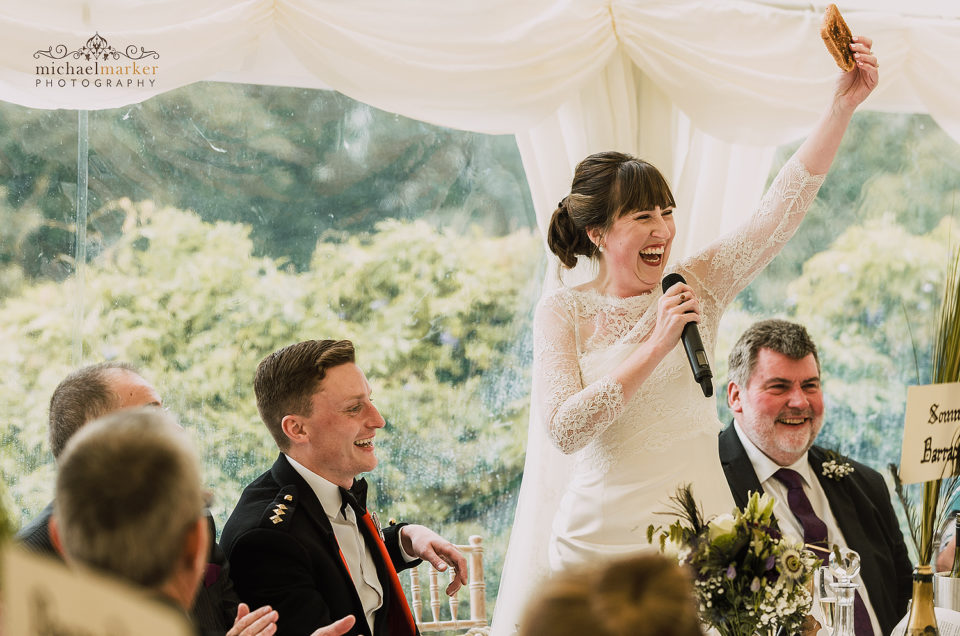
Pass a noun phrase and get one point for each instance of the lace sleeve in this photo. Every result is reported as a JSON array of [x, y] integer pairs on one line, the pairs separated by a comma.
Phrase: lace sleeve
[[728, 264], [573, 414]]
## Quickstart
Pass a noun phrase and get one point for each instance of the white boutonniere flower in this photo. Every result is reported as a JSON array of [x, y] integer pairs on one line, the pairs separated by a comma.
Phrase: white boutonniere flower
[[837, 466]]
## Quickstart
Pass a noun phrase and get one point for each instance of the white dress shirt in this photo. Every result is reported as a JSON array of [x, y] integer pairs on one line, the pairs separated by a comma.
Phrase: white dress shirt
[[765, 467], [357, 555]]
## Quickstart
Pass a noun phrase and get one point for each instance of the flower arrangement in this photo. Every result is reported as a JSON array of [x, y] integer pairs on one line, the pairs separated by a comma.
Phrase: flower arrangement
[[748, 579]]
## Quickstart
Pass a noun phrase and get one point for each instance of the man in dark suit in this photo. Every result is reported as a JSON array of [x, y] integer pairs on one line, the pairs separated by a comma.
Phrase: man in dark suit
[[775, 395], [300, 538], [83, 396]]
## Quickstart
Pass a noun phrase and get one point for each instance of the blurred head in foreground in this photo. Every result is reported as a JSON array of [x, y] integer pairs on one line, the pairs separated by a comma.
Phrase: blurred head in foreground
[[645, 595], [129, 503]]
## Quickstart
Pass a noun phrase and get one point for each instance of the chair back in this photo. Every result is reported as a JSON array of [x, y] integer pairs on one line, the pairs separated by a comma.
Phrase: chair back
[[448, 619]]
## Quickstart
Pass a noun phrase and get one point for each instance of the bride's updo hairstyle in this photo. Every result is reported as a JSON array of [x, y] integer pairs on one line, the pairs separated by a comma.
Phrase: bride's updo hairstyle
[[606, 185]]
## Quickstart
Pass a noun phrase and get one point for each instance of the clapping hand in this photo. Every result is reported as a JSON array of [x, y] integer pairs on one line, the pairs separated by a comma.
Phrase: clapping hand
[[263, 622], [260, 622], [426, 544], [339, 628]]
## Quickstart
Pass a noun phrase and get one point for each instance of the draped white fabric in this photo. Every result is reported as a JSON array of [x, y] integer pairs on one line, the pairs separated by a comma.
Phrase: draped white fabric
[[663, 79], [704, 89]]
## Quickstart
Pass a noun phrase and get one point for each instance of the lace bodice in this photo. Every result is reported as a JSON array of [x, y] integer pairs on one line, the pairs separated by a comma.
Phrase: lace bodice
[[581, 336]]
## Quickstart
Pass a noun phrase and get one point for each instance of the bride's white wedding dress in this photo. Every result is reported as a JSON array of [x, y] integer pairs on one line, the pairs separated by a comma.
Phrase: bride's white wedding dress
[[621, 462]]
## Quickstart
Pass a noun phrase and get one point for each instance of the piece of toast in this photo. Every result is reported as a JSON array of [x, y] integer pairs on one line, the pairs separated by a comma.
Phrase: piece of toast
[[836, 35]]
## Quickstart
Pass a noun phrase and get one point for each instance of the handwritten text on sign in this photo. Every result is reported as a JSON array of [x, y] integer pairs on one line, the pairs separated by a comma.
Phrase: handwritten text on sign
[[931, 433]]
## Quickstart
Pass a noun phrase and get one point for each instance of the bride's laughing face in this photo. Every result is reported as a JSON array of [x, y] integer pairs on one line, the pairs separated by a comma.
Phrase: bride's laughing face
[[636, 249]]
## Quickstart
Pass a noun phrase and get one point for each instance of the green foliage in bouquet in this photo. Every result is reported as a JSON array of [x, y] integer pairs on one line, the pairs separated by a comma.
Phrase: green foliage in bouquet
[[748, 578]]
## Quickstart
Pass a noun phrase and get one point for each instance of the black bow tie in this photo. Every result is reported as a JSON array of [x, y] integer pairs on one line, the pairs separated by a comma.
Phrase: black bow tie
[[356, 496]]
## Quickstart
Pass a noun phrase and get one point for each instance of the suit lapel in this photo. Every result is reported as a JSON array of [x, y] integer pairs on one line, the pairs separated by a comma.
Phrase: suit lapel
[[847, 507], [284, 474], [741, 477], [842, 505]]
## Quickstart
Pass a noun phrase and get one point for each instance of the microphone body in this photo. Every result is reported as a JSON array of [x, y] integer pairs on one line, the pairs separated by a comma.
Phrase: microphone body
[[693, 345]]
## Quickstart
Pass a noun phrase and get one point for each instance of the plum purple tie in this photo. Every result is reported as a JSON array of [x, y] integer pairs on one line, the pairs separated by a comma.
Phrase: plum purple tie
[[815, 534]]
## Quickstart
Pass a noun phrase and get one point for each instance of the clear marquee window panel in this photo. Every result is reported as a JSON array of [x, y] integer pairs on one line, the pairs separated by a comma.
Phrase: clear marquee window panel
[[226, 221], [219, 222]]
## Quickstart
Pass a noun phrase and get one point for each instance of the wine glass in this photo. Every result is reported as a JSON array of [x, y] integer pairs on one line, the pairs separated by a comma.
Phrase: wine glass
[[825, 596]]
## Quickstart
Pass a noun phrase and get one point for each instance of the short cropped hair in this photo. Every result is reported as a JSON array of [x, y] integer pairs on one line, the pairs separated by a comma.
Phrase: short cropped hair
[[81, 397], [287, 379], [128, 492], [784, 337], [643, 595]]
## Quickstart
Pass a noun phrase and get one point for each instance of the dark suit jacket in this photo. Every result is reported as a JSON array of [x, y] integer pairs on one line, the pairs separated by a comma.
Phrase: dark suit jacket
[[293, 563], [35, 536], [215, 606], [860, 502]]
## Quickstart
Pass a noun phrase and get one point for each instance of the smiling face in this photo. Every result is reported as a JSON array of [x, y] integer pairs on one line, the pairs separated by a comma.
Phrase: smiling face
[[636, 248], [336, 439], [781, 407]]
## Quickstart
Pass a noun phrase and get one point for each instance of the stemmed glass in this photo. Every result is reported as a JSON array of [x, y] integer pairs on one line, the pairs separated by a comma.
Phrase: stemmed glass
[[825, 596]]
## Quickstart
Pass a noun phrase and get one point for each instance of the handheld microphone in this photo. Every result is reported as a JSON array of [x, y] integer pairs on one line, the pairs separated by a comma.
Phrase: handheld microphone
[[693, 344]]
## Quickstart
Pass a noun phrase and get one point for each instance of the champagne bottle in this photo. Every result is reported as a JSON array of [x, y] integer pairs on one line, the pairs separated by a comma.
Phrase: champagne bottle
[[955, 570], [922, 621]]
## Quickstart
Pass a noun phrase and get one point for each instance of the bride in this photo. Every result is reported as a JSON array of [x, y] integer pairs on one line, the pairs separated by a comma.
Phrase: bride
[[612, 390]]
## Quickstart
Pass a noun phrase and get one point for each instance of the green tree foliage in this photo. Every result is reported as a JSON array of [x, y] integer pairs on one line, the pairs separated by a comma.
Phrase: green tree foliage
[[290, 163], [314, 216], [890, 166], [871, 300], [865, 274], [435, 316]]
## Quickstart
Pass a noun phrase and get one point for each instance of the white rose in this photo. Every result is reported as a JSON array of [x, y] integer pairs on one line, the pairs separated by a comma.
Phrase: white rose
[[720, 525]]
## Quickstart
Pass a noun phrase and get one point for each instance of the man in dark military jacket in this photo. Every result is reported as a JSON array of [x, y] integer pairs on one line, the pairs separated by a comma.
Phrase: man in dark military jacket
[[300, 539], [160, 504]]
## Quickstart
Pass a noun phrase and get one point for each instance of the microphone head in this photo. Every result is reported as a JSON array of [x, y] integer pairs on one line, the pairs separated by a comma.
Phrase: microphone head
[[672, 279]]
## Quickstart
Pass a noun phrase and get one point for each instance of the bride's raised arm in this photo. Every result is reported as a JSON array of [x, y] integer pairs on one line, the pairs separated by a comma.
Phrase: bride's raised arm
[[728, 264]]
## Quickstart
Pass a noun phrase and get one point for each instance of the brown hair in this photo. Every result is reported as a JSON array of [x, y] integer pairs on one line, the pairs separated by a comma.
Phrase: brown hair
[[644, 595], [287, 379], [784, 337], [128, 492], [81, 397], [606, 185]]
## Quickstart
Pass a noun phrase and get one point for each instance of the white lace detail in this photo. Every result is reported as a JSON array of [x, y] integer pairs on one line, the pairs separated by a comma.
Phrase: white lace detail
[[578, 508], [729, 264], [580, 336], [597, 406], [575, 413]]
